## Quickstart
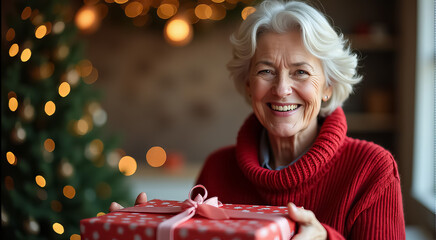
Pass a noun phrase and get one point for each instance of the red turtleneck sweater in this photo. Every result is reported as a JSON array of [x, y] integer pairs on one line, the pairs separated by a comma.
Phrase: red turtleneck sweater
[[352, 186]]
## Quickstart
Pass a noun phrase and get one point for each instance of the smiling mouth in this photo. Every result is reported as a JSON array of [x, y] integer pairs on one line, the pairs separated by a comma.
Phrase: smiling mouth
[[283, 108]]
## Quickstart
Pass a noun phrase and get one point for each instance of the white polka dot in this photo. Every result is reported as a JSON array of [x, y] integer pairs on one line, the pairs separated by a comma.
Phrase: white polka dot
[[131, 216], [245, 210], [215, 238], [261, 212], [120, 230], [125, 219], [281, 207], [273, 227], [137, 237], [237, 208], [94, 220], [149, 232], [230, 231], [202, 229], [118, 214], [276, 211], [107, 226], [165, 203], [263, 232], [133, 226], [183, 233], [111, 216], [95, 235], [253, 222], [82, 228]]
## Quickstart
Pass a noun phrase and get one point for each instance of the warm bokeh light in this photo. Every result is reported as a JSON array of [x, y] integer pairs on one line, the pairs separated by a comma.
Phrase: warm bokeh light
[[218, 12], [133, 9], [69, 191], [247, 11], [40, 180], [82, 127], [41, 31], [92, 77], [203, 11], [49, 145], [12, 159], [58, 27], [87, 19], [166, 10], [64, 89], [44, 71], [121, 1], [127, 165], [178, 32], [84, 68], [50, 108], [56, 205], [10, 34], [58, 228], [75, 237], [156, 156], [13, 50], [101, 214], [96, 147], [26, 13], [13, 104], [9, 183], [218, 1], [25, 55]]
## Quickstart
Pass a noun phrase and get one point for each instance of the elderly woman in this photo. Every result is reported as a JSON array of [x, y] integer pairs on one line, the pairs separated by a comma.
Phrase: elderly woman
[[296, 72]]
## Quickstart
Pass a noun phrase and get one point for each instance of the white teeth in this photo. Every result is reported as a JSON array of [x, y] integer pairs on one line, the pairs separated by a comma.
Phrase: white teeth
[[284, 108]]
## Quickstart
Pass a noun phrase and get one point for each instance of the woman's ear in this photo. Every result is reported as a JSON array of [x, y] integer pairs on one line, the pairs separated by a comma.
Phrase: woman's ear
[[327, 94]]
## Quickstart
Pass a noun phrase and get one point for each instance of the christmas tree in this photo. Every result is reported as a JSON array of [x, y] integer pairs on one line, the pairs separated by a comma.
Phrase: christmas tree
[[59, 167]]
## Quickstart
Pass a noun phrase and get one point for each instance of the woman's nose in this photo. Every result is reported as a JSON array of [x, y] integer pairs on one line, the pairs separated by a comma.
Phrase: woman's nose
[[283, 87]]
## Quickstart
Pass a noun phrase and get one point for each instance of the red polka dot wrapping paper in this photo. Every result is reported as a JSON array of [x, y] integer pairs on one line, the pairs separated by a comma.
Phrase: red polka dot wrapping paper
[[142, 226]]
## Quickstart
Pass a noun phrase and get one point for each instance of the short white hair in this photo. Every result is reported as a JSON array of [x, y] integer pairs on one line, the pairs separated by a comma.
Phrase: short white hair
[[319, 38]]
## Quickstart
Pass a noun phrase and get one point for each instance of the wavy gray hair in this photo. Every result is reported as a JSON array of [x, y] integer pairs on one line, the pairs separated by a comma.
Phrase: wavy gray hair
[[319, 38]]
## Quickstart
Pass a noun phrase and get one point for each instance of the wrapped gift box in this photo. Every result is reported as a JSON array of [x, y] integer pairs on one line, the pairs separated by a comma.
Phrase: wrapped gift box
[[139, 225]]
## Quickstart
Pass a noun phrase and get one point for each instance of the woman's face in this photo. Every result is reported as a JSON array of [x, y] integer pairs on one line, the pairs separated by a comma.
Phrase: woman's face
[[286, 84]]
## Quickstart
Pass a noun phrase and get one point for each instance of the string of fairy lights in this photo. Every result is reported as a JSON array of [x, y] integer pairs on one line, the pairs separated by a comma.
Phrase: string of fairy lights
[[179, 17]]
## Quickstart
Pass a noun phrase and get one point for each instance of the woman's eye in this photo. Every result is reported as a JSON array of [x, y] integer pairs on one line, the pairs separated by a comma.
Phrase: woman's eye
[[301, 74], [265, 71]]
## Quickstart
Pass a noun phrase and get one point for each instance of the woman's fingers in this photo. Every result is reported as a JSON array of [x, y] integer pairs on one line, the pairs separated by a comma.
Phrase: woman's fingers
[[308, 225], [115, 206], [142, 198], [299, 214]]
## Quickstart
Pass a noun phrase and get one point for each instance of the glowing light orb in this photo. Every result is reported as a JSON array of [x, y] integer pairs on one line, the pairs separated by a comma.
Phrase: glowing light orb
[[69, 191], [10, 34], [64, 89], [41, 31], [127, 165], [247, 11], [12, 159], [203, 11], [40, 181], [58, 228], [87, 19], [49, 145], [75, 237], [133, 9], [156, 156], [13, 104], [50, 108], [178, 32], [25, 55]]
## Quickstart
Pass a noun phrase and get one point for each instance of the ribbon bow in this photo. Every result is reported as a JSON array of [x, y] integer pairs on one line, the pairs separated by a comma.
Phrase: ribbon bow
[[209, 208]]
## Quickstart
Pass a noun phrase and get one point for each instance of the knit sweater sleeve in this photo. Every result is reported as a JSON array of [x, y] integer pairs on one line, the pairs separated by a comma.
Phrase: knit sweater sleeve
[[379, 214]]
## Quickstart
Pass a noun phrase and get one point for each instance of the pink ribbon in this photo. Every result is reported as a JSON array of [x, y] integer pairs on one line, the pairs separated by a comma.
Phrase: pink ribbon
[[209, 208]]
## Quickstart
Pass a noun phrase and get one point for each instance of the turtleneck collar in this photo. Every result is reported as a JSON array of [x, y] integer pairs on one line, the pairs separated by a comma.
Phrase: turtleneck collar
[[318, 157]]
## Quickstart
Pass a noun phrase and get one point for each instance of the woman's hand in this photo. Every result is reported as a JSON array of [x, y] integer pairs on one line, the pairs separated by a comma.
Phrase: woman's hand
[[308, 226], [142, 198]]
